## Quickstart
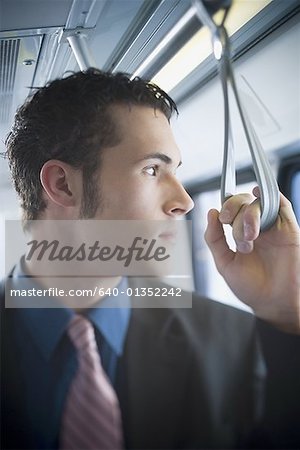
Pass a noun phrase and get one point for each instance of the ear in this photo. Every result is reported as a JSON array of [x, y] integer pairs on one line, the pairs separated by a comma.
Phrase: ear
[[61, 183]]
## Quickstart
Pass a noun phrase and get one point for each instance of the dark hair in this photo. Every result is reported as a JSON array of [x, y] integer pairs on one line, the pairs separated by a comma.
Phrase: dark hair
[[69, 120]]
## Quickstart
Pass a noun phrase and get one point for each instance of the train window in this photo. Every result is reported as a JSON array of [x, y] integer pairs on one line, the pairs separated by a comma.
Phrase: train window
[[289, 180], [295, 194], [208, 281]]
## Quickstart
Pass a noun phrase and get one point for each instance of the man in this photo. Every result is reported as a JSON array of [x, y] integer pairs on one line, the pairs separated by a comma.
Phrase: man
[[96, 145]]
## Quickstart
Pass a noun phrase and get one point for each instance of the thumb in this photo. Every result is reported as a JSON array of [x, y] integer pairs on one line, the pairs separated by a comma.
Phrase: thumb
[[216, 241]]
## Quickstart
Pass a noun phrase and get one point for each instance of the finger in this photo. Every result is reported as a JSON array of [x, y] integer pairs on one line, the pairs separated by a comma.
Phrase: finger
[[286, 212], [251, 220], [256, 192], [244, 216], [245, 227], [232, 206], [242, 245], [216, 241]]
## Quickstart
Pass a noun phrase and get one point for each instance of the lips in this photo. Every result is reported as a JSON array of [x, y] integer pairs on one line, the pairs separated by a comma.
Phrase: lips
[[169, 236]]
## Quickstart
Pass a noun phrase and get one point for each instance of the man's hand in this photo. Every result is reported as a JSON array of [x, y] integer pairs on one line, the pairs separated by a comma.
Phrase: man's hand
[[264, 272]]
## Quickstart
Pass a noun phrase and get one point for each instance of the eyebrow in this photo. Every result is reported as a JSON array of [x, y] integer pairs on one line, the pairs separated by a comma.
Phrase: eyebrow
[[162, 156]]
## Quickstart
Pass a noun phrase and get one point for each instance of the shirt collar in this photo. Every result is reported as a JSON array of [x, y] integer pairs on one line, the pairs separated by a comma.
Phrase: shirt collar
[[112, 317], [47, 325]]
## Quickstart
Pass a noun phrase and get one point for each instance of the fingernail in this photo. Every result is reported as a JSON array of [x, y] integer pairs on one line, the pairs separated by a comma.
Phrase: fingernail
[[244, 247]]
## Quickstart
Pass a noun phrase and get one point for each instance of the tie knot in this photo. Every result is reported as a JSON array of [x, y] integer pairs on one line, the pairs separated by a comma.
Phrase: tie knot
[[82, 334]]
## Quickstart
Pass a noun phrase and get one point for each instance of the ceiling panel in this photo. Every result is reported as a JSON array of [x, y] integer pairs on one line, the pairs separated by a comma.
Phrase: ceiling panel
[[28, 14]]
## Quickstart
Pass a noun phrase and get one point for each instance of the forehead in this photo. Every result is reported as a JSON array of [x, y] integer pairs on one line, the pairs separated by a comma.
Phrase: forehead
[[144, 129], [125, 115]]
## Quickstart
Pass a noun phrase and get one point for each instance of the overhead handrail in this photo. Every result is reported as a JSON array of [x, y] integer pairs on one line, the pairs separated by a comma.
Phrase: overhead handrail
[[79, 45], [269, 192]]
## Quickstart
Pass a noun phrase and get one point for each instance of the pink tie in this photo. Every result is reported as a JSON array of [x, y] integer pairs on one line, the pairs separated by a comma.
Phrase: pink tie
[[91, 418]]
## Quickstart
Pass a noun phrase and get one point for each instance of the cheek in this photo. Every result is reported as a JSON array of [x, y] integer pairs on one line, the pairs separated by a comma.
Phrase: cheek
[[132, 200], [139, 203]]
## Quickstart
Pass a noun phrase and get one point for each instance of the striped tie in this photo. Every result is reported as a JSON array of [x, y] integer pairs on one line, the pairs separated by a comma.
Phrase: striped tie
[[91, 418]]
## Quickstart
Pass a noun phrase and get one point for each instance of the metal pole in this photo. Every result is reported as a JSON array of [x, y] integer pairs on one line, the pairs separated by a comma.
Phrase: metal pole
[[79, 46]]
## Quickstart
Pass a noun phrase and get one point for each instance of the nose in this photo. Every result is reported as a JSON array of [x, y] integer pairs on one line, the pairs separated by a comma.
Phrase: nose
[[178, 201]]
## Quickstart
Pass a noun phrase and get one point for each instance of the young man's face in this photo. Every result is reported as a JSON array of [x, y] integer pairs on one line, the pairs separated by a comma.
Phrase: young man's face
[[137, 179]]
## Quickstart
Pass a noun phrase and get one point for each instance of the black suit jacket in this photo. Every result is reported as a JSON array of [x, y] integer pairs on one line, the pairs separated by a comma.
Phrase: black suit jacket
[[189, 378]]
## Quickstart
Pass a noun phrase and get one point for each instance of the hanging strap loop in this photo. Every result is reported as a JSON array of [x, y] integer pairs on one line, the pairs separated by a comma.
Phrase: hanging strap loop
[[269, 192]]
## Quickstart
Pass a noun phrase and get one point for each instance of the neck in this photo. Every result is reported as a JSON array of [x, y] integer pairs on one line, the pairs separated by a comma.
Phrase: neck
[[75, 292]]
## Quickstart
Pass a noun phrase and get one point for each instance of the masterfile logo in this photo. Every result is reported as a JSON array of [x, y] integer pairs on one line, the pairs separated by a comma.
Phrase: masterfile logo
[[140, 250], [99, 247], [82, 260]]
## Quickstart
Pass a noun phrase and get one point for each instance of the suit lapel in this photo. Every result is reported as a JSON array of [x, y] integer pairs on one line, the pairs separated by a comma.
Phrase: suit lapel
[[152, 379]]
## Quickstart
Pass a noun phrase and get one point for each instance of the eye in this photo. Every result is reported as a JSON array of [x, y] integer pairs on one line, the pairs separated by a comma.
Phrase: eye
[[151, 170]]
